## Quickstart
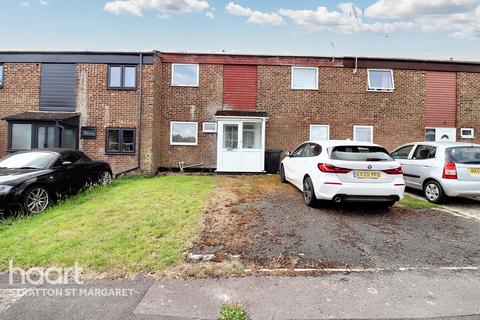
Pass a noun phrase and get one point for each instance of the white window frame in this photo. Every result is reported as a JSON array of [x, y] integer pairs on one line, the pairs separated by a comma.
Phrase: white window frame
[[362, 127], [370, 88], [470, 136], [186, 85], [300, 88], [2, 74], [209, 131], [183, 143], [320, 125]]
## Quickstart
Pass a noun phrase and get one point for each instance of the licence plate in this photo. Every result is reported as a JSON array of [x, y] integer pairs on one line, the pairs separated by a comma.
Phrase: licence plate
[[474, 171], [367, 174]]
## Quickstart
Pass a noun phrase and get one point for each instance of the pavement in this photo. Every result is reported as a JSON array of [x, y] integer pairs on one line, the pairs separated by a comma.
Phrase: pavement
[[447, 294]]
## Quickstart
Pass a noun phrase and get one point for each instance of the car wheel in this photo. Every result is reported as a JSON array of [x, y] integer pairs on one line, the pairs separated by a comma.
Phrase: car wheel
[[282, 174], [36, 199], [434, 192], [105, 178], [309, 192]]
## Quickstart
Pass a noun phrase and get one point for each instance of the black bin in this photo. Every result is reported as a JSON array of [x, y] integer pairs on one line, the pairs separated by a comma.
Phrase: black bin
[[272, 161]]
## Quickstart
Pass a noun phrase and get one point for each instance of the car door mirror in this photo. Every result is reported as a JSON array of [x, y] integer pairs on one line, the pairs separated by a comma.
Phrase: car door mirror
[[287, 154], [66, 163]]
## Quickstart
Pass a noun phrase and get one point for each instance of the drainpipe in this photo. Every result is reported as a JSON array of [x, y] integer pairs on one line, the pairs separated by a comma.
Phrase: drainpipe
[[140, 112]]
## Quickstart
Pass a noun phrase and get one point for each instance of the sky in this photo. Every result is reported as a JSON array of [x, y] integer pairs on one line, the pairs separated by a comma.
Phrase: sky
[[426, 29]]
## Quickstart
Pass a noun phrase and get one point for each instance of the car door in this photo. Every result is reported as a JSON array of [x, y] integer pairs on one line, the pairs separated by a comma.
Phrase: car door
[[293, 166], [421, 164], [76, 172], [403, 156]]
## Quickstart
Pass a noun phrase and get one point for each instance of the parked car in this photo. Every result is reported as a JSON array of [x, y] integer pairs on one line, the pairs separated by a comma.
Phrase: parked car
[[32, 180], [441, 169], [344, 171]]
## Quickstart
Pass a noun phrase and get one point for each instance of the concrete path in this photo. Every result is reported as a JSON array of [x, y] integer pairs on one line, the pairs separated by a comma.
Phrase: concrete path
[[418, 294]]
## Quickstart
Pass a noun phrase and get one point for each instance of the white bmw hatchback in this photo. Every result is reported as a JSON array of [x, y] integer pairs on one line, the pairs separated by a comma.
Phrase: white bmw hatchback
[[344, 171]]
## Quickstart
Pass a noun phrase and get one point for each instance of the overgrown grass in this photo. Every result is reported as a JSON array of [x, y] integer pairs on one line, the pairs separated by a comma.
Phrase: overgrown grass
[[136, 224], [233, 312], [415, 203]]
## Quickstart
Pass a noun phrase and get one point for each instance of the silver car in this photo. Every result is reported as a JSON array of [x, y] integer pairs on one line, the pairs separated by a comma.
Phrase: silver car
[[441, 169]]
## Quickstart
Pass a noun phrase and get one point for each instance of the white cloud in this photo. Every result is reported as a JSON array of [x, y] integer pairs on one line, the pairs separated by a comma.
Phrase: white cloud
[[25, 4], [209, 15], [347, 19], [459, 17], [165, 7], [254, 16], [44, 2], [417, 8]]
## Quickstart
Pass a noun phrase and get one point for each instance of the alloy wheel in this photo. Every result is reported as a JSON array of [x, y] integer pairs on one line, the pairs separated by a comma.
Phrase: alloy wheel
[[105, 178], [37, 200], [432, 192], [307, 191]]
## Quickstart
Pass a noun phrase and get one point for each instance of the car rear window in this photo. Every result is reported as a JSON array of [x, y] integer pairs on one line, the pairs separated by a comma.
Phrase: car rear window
[[360, 153], [464, 154]]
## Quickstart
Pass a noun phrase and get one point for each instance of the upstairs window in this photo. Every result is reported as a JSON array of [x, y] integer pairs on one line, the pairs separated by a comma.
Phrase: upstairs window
[[304, 78], [1, 75], [122, 77], [363, 133], [185, 75], [120, 140], [380, 80]]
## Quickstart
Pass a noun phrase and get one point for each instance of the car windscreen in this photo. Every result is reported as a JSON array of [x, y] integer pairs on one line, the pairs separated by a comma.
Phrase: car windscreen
[[467, 154], [28, 160], [360, 153]]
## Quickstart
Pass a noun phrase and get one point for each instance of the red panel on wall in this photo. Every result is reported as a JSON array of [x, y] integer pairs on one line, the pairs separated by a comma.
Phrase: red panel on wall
[[441, 99], [240, 86]]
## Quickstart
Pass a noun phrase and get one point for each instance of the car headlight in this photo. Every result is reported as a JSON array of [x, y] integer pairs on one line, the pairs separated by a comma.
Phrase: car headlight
[[5, 189]]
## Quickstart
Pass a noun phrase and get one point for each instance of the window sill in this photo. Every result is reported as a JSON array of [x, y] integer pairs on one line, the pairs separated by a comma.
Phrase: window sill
[[110, 153], [308, 89], [184, 144], [381, 90], [184, 86]]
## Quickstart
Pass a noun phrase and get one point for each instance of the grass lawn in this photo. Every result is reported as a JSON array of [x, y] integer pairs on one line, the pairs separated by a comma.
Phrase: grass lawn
[[415, 203], [136, 224]]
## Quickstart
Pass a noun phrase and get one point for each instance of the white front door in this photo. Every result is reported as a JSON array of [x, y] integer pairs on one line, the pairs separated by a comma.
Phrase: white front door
[[446, 134], [241, 145]]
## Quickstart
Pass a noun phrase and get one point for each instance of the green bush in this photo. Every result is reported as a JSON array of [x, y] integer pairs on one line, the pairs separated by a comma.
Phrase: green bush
[[233, 312]]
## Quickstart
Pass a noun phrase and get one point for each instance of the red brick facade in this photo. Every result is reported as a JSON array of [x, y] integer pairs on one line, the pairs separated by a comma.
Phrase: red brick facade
[[341, 101]]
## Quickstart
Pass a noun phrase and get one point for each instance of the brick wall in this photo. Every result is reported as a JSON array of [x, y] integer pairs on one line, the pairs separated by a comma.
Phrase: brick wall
[[342, 101], [20, 92], [468, 104], [102, 108], [188, 104]]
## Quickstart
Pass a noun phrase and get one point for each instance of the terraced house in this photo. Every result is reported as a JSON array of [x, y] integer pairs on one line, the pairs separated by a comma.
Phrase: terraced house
[[154, 110]]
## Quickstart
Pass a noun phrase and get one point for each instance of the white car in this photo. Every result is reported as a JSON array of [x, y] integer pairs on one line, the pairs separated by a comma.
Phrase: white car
[[344, 171], [441, 169]]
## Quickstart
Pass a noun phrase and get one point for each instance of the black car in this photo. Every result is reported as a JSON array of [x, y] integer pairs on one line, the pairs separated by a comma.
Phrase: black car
[[31, 180]]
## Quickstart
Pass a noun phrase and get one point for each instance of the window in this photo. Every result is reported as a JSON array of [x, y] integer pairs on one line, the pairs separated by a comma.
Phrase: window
[[185, 75], [319, 132], [424, 152], [298, 152], [311, 150], [183, 133], [1, 75], [469, 155], [252, 135], [120, 140], [70, 138], [209, 127], [21, 136], [305, 78], [89, 132], [380, 80], [122, 77], [363, 133], [467, 133], [430, 134], [230, 136], [360, 153], [403, 152]]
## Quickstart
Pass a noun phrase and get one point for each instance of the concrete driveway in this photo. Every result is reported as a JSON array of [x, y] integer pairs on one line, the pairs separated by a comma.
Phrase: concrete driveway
[[267, 225]]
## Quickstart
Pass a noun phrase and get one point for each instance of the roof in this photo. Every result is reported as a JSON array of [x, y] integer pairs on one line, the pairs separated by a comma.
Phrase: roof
[[75, 57], [42, 116], [444, 143]]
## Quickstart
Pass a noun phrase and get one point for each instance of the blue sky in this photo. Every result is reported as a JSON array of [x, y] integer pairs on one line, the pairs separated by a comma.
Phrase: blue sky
[[439, 29]]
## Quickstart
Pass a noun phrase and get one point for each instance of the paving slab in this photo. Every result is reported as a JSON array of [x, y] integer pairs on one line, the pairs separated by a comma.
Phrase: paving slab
[[353, 296]]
